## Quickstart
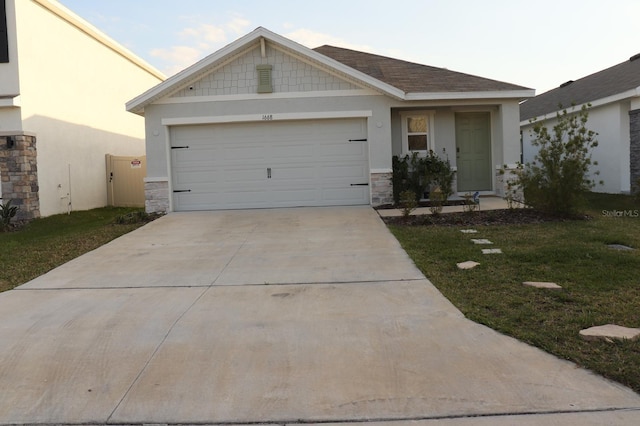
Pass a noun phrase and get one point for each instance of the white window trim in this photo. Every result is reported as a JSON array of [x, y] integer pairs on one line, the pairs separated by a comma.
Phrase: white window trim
[[430, 114]]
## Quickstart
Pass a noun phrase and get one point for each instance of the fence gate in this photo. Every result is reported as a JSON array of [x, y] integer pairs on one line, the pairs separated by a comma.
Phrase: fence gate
[[125, 180]]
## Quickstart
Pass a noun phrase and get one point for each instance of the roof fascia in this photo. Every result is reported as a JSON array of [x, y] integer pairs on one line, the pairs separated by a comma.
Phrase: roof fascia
[[594, 104], [73, 19], [495, 94]]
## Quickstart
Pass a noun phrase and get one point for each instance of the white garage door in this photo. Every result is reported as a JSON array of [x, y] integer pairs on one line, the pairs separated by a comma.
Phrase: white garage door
[[270, 164]]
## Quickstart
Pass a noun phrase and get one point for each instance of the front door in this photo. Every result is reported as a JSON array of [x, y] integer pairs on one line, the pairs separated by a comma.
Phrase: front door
[[473, 146]]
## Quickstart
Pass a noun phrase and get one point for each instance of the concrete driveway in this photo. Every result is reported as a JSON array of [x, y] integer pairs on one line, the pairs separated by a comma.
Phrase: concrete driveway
[[272, 316]]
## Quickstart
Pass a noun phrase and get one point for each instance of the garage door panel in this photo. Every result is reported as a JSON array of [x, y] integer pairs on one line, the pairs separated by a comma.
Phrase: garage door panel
[[341, 196], [354, 172], [274, 164], [338, 150]]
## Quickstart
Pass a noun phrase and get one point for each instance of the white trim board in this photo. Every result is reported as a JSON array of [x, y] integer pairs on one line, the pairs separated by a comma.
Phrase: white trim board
[[255, 96], [177, 121]]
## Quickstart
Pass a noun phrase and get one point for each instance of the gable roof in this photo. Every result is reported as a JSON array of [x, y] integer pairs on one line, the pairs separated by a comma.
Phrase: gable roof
[[414, 78], [617, 80], [383, 75]]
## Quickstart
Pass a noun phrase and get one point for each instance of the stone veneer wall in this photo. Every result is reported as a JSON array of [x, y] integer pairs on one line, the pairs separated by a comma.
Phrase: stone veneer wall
[[156, 194], [381, 189], [19, 171], [634, 124]]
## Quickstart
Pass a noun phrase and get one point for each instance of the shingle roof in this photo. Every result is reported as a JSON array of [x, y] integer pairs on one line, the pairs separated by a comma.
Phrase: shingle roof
[[611, 81], [411, 77]]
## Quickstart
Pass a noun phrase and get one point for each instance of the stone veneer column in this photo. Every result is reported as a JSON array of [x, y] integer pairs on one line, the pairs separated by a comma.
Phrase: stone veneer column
[[19, 171], [381, 189], [156, 194], [634, 127]]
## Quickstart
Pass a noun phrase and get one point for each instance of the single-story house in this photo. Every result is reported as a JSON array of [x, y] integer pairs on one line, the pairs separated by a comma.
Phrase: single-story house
[[63, 84], [266, 122], [614, 95]]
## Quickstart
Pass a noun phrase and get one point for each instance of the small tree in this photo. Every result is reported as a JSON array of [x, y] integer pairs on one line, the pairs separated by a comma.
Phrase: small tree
[[7, 212], [558, 178]]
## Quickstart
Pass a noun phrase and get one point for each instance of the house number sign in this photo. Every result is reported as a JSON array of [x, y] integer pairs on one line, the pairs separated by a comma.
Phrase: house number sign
[[267, 117]]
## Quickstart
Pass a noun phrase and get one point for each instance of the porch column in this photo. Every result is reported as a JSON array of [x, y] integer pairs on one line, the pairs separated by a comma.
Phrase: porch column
[[505, 172]]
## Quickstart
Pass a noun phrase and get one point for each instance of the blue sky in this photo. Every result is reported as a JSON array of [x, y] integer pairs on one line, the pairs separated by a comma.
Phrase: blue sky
[[537, 44]]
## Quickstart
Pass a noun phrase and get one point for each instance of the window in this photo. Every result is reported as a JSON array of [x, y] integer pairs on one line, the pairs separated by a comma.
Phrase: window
[[417, 131]]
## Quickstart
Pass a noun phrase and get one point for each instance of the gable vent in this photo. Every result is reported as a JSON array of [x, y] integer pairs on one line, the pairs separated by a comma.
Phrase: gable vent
[[264, 79]]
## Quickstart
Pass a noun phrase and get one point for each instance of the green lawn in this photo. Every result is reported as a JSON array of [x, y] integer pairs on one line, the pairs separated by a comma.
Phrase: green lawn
[[49, 242], [600, 285]]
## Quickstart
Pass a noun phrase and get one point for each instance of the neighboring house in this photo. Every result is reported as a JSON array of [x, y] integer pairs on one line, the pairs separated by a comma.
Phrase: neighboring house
[[63, 85], [266, 122], [614, 95]]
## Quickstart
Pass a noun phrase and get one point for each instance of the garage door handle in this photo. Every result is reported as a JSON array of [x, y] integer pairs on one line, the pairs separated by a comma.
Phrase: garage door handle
[[182, 190], [359, 184], [358, 140], [180, 147]]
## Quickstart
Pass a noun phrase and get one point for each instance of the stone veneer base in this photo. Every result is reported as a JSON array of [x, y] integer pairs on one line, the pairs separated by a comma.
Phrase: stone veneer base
[[156, 196]]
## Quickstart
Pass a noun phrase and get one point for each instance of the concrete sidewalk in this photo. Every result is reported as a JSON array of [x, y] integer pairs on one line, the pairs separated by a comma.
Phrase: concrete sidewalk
[[272, 316]]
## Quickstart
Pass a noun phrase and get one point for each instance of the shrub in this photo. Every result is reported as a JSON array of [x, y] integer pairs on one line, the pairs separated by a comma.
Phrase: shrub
[[471, 202], [7, 212], [138, 216], [436, 198], [558, 178], [408, 202], [417, 174]]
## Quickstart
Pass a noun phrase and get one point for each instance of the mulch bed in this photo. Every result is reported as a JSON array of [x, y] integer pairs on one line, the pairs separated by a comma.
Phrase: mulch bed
[[476, 218]]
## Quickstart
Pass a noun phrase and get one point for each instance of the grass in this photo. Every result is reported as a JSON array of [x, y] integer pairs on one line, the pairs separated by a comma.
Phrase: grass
[[46, 243], [600, 285]]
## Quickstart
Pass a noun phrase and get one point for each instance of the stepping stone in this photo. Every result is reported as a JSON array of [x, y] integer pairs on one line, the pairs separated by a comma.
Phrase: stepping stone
[[481, 241], [619, 247], [609, 332], [468, 231], [469, 264], [491, 251], [539, 284]]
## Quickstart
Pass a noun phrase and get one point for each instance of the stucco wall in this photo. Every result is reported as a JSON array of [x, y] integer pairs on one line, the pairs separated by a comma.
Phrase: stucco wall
[[611, 122], [10, 118], [634, 118], [9, 84], [73, 89]]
